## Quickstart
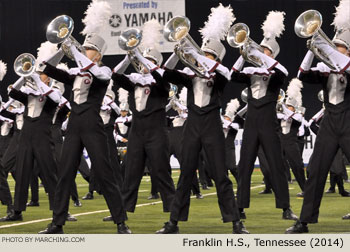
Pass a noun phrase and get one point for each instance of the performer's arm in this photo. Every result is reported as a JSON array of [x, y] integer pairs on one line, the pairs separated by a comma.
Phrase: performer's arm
[[122, 66], [45, 90], [59, 74], [120, 80], [171, 62], [85, 64]]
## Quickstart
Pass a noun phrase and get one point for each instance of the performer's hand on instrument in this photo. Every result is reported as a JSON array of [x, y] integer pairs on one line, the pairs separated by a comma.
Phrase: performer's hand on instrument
[[308, 44], [67, 43], [124, 140]]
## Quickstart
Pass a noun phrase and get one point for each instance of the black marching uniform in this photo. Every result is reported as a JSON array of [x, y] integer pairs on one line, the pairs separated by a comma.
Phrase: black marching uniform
[[35, 139], [85, 128], [148, 136], [261, 128], [290, 148], [203, 128], [334, 133]]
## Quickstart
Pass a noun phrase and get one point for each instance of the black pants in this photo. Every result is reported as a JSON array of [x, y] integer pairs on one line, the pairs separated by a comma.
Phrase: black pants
[[337, 171], [291, 154], [5, 194], [57, 149], [204, 131], [334, 132], [261, 129], [147, 140], [264, 167], [94, 138], [231, 165], [34, 145], [175, 143], [113, 155]]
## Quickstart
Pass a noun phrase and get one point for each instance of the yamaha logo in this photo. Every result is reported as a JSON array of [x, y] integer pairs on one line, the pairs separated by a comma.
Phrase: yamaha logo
[[265, 78], [342, 80], [115, 21], [41, 99], [210, 84], [147, 91]]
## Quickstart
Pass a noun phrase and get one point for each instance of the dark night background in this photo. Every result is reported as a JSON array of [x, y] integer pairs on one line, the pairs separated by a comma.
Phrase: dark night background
[[23, 26]]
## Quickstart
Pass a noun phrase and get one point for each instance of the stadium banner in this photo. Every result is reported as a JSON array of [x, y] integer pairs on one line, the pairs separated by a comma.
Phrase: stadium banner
[[133, 14]]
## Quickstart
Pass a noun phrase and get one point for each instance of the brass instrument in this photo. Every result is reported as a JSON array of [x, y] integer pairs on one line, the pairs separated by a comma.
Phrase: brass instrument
[[24, 65], [238, 37], [244, 95], [308, 24], [173, 91], [59, 30], [177, 30], [320, 96], [129, 41]]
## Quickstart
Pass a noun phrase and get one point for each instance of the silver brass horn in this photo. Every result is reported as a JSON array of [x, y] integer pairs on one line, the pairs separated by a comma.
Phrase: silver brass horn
[[176, 30], [244, 95], [173, 91], [129, 41], [320, 96], [24, 65], [281, 96], [238, 37], [59, 30], [308, 24]]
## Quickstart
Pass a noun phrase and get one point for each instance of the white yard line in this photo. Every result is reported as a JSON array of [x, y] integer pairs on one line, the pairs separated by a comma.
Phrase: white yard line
[[101, 211]]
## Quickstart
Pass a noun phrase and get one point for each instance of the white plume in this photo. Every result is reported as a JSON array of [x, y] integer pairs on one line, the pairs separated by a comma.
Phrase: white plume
[[342, 15], [273, 26], [46, 50], [151, 35], [294, 90], [219, 22], [231, 108], [183, 95], [96, 16], [123, 95], [3, 70]]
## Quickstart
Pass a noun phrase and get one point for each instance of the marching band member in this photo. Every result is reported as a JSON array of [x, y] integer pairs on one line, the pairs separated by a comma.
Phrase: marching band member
[[203, 127], [290, 124], [89, 81], [334, 132], [176, 133], [337, 167], [261, 125], [148, 133], [34, 140], [231, 124]]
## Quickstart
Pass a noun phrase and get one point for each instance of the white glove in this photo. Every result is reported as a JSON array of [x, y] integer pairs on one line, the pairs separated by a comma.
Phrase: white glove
[[235, 126], [208, 64], [148, 64]]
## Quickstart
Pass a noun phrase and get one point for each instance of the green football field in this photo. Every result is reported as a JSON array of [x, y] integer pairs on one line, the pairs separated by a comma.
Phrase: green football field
[[262, 216]]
